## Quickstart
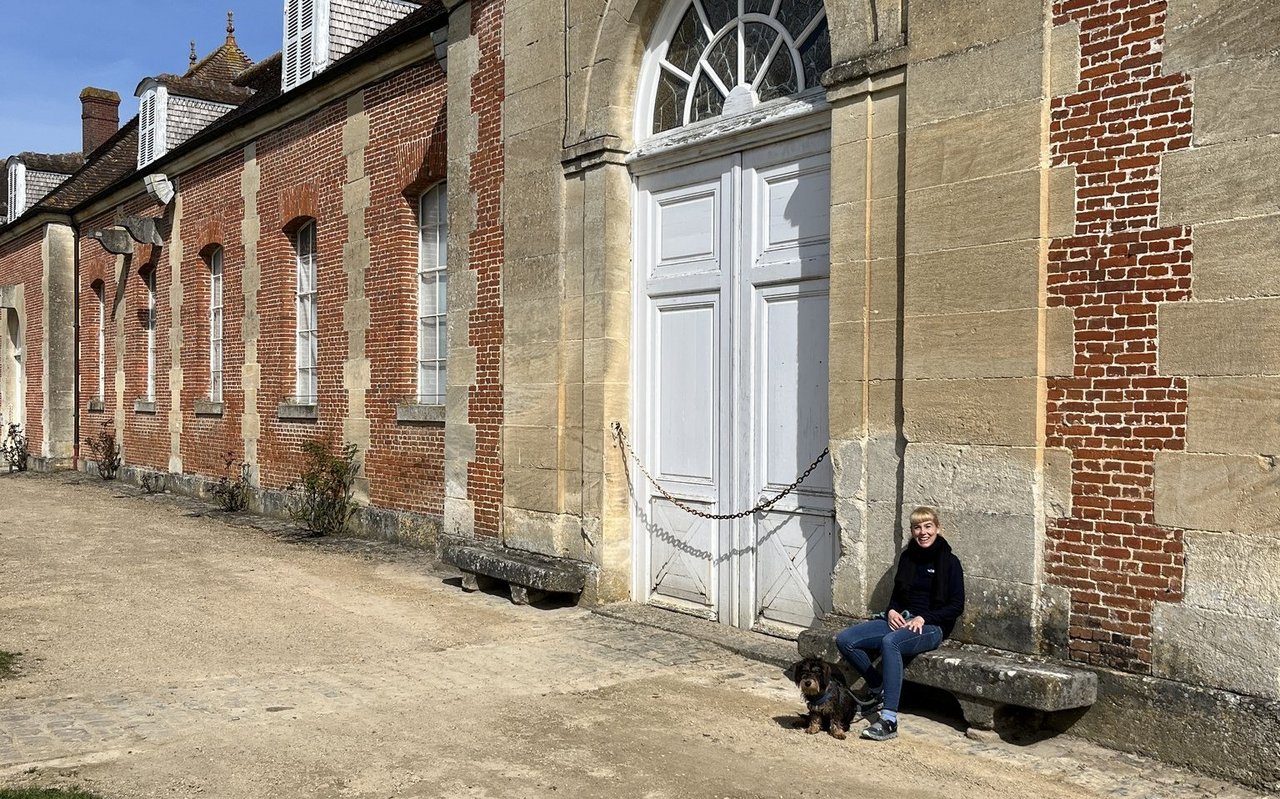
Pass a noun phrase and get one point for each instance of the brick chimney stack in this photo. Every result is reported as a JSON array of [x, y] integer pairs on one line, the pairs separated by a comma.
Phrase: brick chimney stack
[[100, 117]]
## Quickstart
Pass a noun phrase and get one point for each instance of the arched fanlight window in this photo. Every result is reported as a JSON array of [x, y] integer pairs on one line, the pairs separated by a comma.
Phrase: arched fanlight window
[[725, 56]]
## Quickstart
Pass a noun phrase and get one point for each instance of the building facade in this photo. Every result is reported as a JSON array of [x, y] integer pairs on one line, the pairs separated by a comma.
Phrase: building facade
[[1012, 260]]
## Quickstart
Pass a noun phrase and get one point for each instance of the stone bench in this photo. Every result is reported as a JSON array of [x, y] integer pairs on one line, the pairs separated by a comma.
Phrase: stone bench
[[529, 575], [983, 681]]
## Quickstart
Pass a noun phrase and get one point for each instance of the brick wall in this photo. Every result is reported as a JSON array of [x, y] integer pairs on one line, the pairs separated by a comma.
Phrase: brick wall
[[145, 438], [406, 156], [97, 268], [1117, 411], [303, 170], [485, 327], [212, 214], [21, 262]]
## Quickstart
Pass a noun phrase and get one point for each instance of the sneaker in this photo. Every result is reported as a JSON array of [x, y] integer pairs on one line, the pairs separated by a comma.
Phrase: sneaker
[[871, 705], [881, 731]]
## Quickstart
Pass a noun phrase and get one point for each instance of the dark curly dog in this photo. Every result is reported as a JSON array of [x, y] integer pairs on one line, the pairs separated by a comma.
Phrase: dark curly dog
[[829, 699]]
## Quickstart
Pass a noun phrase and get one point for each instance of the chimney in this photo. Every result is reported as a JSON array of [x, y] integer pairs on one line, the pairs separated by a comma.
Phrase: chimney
[[100, 117]]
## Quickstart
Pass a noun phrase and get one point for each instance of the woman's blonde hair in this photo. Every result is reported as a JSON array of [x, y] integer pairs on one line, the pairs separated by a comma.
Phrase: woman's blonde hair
[[924, 513]]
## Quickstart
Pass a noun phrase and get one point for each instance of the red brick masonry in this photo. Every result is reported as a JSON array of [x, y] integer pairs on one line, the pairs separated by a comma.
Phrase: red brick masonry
[[1116, 411]]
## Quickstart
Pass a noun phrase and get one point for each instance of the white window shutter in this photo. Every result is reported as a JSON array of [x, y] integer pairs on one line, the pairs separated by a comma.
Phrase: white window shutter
[[301, 34], [292, 25], [147, 128], [17, 189]]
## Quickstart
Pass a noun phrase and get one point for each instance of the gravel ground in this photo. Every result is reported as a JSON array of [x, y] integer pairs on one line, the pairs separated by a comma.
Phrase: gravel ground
[[171, 651]]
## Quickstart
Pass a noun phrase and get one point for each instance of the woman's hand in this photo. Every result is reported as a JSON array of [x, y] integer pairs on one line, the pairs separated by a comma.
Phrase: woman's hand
[[916, 624], [895, 619]]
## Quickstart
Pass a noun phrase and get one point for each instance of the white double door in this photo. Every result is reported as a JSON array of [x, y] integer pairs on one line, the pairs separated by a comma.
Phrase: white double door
[[731, 400]]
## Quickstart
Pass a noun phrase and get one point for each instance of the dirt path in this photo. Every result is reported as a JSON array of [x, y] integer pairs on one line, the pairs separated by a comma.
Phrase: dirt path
[[167, 654]]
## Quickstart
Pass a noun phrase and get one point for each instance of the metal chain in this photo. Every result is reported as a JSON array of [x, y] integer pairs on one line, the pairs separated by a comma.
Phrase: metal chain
[[620, 437]]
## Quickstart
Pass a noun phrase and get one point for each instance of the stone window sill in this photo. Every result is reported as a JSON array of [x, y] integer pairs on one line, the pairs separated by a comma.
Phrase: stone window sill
[[414, 412], [208, 408], [97, 406], [296, 412], [144, 406]]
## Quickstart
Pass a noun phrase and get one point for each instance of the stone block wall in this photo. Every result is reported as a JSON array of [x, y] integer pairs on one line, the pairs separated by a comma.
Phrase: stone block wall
[[977, 340], [1220, 491], [473, 444]]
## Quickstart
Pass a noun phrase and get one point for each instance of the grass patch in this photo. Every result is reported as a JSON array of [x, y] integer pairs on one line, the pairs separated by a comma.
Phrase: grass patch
[[44, 793], [7, 662]]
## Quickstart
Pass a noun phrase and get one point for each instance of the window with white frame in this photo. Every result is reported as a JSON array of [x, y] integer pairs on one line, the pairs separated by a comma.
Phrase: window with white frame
[[17, 189], [99, 291], [433, 346], [215, 325], [304, 242], [150, 280], [152, 114]]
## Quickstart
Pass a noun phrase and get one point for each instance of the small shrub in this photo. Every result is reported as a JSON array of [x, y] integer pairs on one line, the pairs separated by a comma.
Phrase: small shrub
[[14, 449], [152, 482], [8, 661], [106, 452], [233, 494], [323, 501]]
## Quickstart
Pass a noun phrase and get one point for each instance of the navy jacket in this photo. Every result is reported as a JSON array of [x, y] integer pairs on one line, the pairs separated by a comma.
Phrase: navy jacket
[[946, 598]]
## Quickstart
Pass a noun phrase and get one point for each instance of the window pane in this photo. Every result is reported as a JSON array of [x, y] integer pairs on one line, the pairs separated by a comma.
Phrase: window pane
[[815, 55], [719, 12], [442, 337], [723, 58], [707, 101], [427, 344], [757, 38], [688, 43], [780, 78], [442, 292], [427, 294], [795, 15], [668, 107]]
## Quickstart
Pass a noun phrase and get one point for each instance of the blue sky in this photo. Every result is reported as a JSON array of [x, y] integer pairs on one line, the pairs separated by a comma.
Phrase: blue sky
[[51, 49]]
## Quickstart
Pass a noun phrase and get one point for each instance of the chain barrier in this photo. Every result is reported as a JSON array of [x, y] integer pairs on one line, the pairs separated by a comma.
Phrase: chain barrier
[[620, 438]]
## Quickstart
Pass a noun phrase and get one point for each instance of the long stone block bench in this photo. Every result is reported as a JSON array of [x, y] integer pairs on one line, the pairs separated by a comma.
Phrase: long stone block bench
[[529, 575], [983, 681]]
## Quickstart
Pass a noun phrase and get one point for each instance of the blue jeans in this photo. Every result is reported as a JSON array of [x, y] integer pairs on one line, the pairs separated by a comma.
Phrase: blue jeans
[[871, 636]]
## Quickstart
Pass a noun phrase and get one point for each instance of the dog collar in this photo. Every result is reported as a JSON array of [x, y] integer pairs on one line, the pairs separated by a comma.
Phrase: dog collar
[[827, 695]]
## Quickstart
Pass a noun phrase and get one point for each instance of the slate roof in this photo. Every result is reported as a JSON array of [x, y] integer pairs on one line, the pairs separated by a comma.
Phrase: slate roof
[[223, 64], [115, 159], [218, 91], [62, 164]]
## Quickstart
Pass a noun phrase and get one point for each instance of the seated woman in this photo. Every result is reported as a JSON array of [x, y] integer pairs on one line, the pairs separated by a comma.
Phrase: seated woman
[[928, 597]]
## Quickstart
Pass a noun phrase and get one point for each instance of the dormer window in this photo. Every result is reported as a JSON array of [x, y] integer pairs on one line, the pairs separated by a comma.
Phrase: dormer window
[[152, 118], [306, 40], [17, 188]]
